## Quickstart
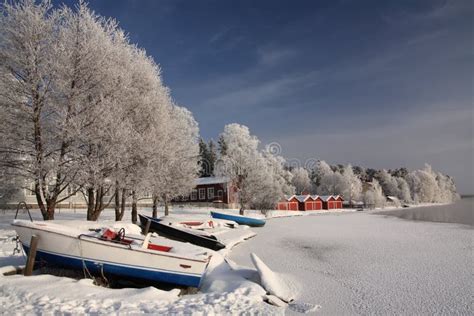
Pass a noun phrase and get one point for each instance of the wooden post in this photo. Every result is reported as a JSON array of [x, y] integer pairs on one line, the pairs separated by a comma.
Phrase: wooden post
[[30, 262], [147, 227]]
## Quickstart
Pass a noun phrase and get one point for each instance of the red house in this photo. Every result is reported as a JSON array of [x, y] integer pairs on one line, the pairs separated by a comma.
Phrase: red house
[[289, 204], [212, 190], [339, 201], [329, 202], [317, 202], [301, 203]]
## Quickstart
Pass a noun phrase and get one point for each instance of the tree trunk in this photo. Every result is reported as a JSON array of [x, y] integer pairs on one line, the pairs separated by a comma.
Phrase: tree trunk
[[134, 207], [165, 200], [39, 200], [95, 204], [242, 204], [122, 206], [51, 205], [90, 203], [155, 206], [117, 202]]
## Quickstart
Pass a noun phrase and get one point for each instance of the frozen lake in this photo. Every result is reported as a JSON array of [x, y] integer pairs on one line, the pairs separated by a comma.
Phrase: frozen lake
[[461, 212], [361, 263]]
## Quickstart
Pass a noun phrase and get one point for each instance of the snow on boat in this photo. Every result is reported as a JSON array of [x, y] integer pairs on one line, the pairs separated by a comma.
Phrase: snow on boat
[[239, 219], [196, 237], [198, 223], [112, 254]]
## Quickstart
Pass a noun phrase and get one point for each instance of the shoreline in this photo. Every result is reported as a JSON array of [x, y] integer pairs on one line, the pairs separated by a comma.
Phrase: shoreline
[[459, 212]]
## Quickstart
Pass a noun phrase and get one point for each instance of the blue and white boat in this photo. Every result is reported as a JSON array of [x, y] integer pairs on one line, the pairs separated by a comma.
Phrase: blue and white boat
[[127, 257], [240, 219]]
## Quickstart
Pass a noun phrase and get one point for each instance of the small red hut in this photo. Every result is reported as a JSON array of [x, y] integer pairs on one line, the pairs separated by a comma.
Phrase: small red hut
[[339, 201], [329, 202], [289, 204], [317, 202], [302, 203]]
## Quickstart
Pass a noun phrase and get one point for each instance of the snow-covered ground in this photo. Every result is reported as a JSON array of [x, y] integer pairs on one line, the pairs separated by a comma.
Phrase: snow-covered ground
[[339, 262], [360, 263]]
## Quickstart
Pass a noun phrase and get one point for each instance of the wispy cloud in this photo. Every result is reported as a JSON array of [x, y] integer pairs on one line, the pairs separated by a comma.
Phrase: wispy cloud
[[270, 56], [219, 35], [261, 93]]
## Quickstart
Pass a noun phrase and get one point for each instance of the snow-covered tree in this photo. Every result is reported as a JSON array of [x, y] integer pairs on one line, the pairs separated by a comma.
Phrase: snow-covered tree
[[33, 145], [175, 167], [301, 180], [80, 106], [321, 169], [447, 188], [373, 196], [330, 182], [428, 186], [352, 188], [259, 177], [403, 190], [242, 163], [388, 183], [423, 185], [276, 182]]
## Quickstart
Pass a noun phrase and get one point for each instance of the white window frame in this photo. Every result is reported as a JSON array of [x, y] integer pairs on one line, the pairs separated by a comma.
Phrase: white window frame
[[194, 195], [202, 193], [210, 193], [220, 193]]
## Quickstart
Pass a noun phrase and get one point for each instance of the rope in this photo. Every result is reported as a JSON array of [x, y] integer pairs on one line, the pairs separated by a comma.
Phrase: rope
[[84, 265]]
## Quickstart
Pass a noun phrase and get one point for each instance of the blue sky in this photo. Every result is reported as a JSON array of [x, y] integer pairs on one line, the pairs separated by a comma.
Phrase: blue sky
[[372, 83]]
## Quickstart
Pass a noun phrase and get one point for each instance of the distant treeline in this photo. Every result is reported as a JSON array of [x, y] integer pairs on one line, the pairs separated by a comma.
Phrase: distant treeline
[[355, 183]]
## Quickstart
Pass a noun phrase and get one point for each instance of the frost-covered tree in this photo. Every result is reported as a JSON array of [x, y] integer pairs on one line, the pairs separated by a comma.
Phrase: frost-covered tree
[[34, 111], [423, 185], [373, 196], [301, 180], [403, 190], [175, 167], [352, 187], [321, 170], [81, 107], [388, 183], [259, 177], [428, 186], [242, 163], [330, 182], [447, 188], [95, 68], [276, 182]]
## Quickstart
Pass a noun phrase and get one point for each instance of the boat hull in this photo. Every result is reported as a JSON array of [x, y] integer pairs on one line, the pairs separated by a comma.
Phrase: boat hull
[[175, 233], [241, 220], [114, 259]]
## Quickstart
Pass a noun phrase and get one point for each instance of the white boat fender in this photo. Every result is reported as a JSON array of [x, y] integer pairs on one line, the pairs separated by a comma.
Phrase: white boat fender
[[146, 241]]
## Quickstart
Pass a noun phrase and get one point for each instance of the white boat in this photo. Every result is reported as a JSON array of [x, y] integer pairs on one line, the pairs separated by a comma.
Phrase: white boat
[[132, 257]]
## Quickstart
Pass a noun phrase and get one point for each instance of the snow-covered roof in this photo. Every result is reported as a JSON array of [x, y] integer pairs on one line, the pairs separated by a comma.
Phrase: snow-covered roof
[[302, 198], [289, 197], [314, 197], [326, 197], [211, 180]]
